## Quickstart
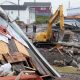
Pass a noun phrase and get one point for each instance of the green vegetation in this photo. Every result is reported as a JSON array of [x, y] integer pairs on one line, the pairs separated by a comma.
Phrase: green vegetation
[[42, 19]]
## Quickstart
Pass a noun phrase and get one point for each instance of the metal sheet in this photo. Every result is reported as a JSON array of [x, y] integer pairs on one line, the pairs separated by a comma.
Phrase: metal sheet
[[16, 36], [72, 22], [3, 38]]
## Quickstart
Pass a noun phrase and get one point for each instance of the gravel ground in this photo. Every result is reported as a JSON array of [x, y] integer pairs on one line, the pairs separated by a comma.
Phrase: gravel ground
[[71, 76], [53, 55]]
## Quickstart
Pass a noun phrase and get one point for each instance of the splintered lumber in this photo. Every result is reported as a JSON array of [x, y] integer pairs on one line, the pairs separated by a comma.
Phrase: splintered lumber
[[21, 48], [3, 48], [68, 44], [2, 61], [1, 57], [12, 46], [15, 57]]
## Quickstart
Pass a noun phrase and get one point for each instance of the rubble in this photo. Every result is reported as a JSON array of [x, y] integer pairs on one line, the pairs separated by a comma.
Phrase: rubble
[[5, 69], [62, 53], [19, 58], [59, 63]]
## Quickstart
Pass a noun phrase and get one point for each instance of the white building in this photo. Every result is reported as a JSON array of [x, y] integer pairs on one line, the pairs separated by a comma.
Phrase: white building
[[27, 11]]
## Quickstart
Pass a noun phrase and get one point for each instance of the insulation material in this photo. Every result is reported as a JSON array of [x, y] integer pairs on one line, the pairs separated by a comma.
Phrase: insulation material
[[21, 48], [4, 48]]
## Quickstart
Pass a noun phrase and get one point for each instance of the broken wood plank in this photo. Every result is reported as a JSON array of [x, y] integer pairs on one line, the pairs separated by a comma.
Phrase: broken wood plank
[[3, 48], [15, 57]]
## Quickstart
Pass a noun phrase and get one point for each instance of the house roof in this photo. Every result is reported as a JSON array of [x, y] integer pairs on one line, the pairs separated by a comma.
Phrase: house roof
[[14, 7], [25, 5], [73, 8], [37, 4]]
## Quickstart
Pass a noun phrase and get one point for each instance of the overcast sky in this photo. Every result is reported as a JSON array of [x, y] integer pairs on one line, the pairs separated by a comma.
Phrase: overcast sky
[[55, 3]]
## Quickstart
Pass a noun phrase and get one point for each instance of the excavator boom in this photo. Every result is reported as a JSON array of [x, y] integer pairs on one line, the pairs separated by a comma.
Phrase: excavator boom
[[58, 16]]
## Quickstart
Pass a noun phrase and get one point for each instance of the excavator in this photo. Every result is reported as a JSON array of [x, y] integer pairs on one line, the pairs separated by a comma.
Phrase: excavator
[[48, 36]]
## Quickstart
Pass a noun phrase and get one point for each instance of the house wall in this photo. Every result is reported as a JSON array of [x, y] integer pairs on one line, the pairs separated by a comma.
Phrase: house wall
[[38, 11], [28, 15], [24, 15], [31, 15], [12, 13]]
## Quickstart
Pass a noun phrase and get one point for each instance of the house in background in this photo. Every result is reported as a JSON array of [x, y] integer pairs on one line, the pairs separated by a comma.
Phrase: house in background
[[28, 11]]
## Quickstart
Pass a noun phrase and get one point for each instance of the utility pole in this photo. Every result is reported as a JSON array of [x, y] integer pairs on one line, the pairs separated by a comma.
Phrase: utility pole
[[69, 5], [35, 9], [18, 9]]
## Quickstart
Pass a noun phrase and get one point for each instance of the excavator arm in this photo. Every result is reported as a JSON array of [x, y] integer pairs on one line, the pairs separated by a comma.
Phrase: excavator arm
[[58, 16]]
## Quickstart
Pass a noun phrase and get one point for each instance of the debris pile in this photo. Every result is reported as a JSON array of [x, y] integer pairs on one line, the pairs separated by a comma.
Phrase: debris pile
[[14, 55], [15, 60], [66, 52], [19, 58]]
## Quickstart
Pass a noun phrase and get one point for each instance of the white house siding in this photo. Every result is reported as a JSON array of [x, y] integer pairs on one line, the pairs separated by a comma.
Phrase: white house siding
[[27, 16], [27, 10], [12, 13], [31, 15], [24, 16]]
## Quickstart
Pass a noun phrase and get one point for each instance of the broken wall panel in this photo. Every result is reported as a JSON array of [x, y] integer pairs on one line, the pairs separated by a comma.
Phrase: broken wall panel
[[2, 61], [16, 57], [21, 48], [4, 48], [1, 57], [66, 37], [16, 36], [12, 46]]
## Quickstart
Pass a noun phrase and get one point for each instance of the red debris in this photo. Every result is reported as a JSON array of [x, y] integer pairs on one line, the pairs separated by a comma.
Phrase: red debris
[[3, 30], [23, 77]]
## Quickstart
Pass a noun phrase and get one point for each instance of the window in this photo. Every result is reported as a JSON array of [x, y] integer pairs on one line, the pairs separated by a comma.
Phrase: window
[[43, 8], [11, 12]]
